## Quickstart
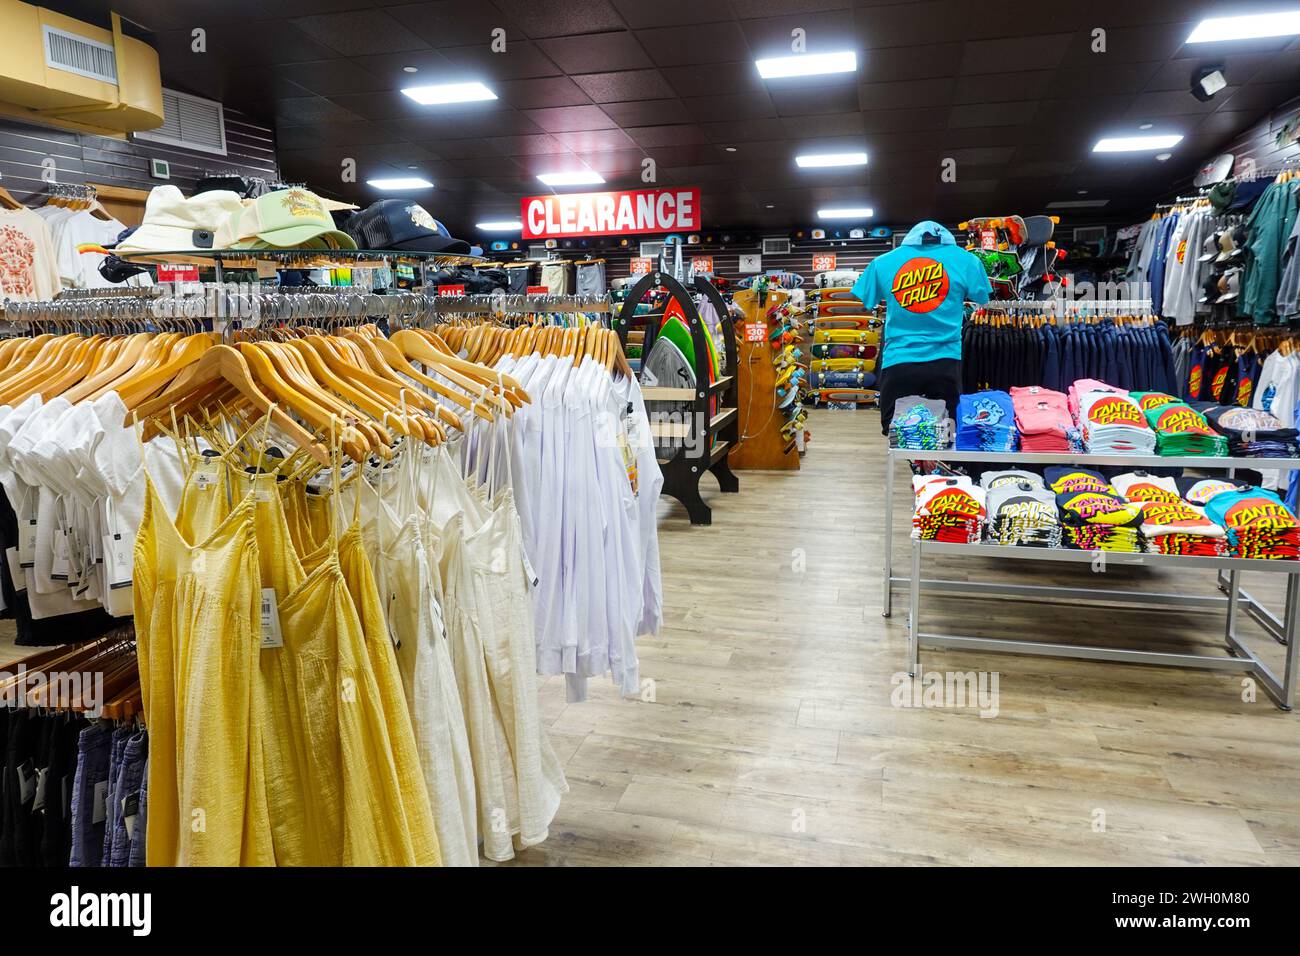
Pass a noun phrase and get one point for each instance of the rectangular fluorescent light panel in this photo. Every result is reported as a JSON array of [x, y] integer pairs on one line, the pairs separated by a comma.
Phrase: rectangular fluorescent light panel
[[449, 93], [408, 182], [1132, 144], [848, 212], [1248, 27], [502, 226], [1078, 204], [579, 178], [822, 160], [807, 64]]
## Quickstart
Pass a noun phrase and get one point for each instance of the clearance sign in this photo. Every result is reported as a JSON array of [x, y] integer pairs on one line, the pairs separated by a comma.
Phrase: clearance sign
[[610, 214]]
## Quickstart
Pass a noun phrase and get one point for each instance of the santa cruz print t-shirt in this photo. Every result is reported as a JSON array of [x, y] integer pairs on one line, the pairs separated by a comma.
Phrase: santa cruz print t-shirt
[[923, 287]]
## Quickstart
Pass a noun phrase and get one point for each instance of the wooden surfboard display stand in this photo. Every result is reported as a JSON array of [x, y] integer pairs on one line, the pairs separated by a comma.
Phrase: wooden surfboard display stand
[[762, 447]]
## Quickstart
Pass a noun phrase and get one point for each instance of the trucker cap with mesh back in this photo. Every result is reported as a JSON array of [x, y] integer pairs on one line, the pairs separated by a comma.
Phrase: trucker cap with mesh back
[[404, 225]]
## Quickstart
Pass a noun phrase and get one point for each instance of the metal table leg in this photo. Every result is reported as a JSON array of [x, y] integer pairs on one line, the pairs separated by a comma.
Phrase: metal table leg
[[1292, 616], [886, 601], [914, 613], [1231, 626]]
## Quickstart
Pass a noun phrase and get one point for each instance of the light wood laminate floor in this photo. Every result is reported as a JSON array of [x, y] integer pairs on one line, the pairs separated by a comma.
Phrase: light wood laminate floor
[[771, 738]]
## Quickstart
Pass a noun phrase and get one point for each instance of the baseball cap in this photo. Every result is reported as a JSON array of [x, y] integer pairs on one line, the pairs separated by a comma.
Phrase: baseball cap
[[1229, 244], [173, 223], [1229, 285], [284, 219], [403, 225], [1209, 248]]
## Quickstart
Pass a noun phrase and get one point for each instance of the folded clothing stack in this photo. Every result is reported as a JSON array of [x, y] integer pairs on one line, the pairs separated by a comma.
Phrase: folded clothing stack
[[1112, 424], [1258, 524], [1044, 421], [1252, 432], [986, 421], [947, 509], [920, 424], [1171, 525], [1094, 520], [1020, 510], [1180, 429]]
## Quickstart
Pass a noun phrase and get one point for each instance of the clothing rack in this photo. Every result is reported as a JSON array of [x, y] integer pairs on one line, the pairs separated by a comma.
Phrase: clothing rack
[[1064, 307], [503, 304]]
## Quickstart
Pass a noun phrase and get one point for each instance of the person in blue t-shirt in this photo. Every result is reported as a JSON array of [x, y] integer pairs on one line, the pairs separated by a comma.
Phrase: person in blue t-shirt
[[924, 284]]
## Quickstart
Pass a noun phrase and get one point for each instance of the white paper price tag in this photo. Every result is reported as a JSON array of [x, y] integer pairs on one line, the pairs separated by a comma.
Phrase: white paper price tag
[[59, 567], [271, 634], [27, 543], [119, 559], [101, 802], [16, 572], [533, 579]]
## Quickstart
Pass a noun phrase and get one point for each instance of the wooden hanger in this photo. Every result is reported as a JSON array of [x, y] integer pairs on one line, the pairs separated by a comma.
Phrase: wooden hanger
[[8, 201], [387, 360]]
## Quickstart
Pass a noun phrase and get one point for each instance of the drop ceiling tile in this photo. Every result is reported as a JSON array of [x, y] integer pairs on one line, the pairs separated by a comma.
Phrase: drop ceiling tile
[[542, 92], [1082, 82], [573, 17], [521, 60], [913, 24], [822, 125], [744, 131], [1152, 106], [563, 119], [1001, 87], [454, 23], [647, 112], [902, 94], [592, 140], [312, 109], [701, 44], [1253, 97], [640, 15], [710, 79], [360, 32], [729, 107], [238, 44], [806, 100], [682, 134], [896, 121], [327, 77], [1137, 44], [1025, 53], [337, 134], [239, 85], [1177, 74], [748, 9], [897, 64], [539, 143], [466, 148], [599, 52], [624, 86]]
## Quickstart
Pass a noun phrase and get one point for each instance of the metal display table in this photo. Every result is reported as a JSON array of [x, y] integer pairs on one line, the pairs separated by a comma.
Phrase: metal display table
[[1234, 599]]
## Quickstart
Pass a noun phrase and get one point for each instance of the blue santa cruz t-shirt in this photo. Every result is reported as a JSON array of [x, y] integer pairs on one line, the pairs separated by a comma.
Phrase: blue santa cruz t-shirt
[[923, 285]]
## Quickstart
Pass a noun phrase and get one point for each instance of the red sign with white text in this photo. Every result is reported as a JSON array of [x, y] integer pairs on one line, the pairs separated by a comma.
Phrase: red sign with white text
[[639, 266], [702, 265], [539, 290], [451, 290], [178, 273], [823, 262], [611, 213]]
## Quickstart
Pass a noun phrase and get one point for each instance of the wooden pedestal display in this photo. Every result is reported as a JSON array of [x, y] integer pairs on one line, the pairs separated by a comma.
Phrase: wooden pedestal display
[[761, 445]]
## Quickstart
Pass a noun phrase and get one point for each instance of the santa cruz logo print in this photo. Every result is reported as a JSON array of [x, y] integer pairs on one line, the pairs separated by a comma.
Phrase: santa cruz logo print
[[1182, 420], [1116, 411], [921, 285]]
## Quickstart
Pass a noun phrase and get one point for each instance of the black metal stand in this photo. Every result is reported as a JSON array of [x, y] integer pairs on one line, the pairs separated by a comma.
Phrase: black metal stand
[[686, 466]]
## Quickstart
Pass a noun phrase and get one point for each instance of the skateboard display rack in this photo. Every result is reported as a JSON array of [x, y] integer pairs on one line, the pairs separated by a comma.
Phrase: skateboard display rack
[[694, 454]]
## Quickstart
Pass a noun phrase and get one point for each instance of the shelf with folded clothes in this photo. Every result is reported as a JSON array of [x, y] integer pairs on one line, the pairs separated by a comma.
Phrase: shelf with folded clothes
[[296, 258]]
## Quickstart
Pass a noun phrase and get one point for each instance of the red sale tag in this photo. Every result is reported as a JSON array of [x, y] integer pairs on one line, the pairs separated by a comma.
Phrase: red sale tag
[[640, 267], [451, 290], [702, 265], [539, 290], [823, 262], [755, 331], [181, 272]]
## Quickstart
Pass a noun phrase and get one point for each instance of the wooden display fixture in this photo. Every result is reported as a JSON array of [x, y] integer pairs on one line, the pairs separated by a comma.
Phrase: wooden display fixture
[[761, 445]]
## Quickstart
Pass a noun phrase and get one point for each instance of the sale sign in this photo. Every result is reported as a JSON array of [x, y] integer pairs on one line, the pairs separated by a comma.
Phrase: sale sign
[[823, 262], [702, 265], [640, 267], [611, 213]]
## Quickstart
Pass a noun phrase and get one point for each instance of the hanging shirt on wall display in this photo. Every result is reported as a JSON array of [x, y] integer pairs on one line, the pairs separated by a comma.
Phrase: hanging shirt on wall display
[[923, 285], [27, 260]]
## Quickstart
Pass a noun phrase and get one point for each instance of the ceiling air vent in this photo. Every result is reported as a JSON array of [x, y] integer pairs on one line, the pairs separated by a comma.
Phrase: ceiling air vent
[[191, 122], [776, 247], [651, 250], [76, 54]]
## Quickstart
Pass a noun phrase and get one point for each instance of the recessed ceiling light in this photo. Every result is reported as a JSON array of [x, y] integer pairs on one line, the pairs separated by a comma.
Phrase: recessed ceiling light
[[770, 205], [1082, 192], [410, 69], [1162, 157], [820, 160], [807, 64], [401, 182], [449, 93], [506, 225], [731, 149], [1132, 144], [577, 178], [846, 212], [1146, 125], [1248, 27], [412, 166]]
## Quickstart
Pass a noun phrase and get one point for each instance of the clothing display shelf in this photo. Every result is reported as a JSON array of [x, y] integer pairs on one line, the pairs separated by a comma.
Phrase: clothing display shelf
[[1234, 598], [684, 469], [1070, 308], [221, 259]]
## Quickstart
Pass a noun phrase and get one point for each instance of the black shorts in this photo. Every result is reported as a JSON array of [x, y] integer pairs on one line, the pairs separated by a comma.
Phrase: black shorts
[[940, 379]]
